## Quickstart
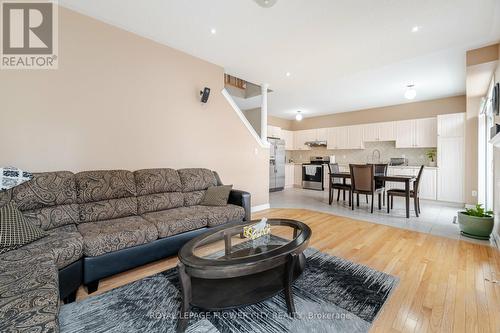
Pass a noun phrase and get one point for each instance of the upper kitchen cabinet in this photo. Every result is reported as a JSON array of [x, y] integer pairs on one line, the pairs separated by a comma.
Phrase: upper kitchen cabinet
[[338, 138], [387, 131], [322, 134], [451, 125], [288, 137], [355, 137], [274, 132], [416, 133], [379, 132], [301, 137], [426, 132]]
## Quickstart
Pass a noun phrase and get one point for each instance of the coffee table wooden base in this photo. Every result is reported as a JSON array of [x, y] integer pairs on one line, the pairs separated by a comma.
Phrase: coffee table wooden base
[[224, 294]]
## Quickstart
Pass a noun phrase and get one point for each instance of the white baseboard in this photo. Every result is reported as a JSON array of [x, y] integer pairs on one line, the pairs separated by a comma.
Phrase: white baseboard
[[260, 207]]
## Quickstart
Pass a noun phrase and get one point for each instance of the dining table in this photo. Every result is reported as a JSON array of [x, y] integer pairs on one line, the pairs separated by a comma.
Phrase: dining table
[[406, 179]]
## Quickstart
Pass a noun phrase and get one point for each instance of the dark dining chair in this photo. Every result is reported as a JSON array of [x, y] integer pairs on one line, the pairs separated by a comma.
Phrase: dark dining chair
[[414, 193], [337, 184], [363, 182], [381, 169]]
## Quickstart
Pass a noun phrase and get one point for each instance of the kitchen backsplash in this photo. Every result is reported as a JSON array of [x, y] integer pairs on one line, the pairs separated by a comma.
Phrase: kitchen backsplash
[[415, 156]]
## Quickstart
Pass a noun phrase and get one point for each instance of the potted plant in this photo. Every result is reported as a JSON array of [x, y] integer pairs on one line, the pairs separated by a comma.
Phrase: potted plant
[[475, 222], [431, 155]]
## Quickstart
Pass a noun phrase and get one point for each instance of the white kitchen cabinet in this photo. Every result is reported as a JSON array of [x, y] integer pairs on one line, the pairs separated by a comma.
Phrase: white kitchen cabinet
[[301, 137], [273, 132], [416, 133], [288, 137], [289, 175], [338, 138], [405, 133], [428, 184], [297, 175], [387, 131], [451, 173], [451, 157], [321, 134], [379, 132], [355, 137], [451, 125], [426, 132], [370, 132]]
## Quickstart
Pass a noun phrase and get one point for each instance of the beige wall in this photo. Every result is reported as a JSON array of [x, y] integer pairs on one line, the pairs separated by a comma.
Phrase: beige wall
[[280, 122], [483, 55], [121, 101], [478, 76], [396, 112]]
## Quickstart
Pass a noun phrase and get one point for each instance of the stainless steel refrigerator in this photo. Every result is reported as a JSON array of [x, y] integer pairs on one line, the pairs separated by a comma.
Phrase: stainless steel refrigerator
[[277, 165]]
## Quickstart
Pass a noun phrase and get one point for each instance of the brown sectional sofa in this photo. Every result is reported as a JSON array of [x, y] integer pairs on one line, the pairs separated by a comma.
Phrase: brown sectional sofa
[[100, 223]]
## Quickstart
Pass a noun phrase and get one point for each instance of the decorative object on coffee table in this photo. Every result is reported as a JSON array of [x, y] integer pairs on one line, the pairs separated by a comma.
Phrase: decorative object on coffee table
[[257, 230], [213, 280], [476, 222]]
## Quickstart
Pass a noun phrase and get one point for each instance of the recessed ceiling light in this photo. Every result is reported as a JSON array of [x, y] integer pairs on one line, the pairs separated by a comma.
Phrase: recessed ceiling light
[[299, 116], [288, 74], [213, 31], [415, 28], [410, 92]]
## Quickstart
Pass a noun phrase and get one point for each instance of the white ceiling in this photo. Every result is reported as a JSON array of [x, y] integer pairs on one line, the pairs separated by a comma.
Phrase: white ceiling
[[343, 55]]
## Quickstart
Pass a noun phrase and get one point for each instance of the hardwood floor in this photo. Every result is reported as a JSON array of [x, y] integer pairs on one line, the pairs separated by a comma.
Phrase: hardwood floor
[[445, 285]]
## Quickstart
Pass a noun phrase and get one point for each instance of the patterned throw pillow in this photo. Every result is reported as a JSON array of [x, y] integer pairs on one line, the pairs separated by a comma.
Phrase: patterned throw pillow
[[11, 177], [216, 195], [15, 230]]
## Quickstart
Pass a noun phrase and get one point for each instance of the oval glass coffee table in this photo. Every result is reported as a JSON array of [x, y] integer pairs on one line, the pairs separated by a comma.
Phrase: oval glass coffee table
[[221, 270]]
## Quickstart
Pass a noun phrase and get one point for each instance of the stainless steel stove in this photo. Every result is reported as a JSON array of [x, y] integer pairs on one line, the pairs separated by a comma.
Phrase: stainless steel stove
[[312, 173]]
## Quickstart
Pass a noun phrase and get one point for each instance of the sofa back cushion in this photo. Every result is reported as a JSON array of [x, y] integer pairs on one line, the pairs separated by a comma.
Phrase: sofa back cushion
[[48, 200], [158, 189], [194, 182], [106, 194]]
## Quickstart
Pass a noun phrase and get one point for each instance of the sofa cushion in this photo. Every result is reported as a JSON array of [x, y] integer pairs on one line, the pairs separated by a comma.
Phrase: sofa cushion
[[158, 189], [15, 231], [217, 215], [216, 195], [108, 209], [178, 220], [196, 179], [112, 235], [193, 198], [106, 195], [151, 181], [159, 201], [46, 189], [49, 199], [64, 243], [29, 294], [53, 217]]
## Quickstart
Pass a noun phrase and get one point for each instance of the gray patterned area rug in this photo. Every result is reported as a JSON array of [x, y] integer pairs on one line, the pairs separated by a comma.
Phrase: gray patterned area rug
[[332, 295]]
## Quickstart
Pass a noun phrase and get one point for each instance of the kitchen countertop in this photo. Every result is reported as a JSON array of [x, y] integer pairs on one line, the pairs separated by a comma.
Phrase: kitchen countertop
[[392, 166]]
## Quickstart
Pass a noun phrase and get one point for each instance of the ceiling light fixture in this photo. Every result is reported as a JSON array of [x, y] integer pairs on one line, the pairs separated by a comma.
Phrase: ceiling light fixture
[[213, 31], [299, 116], [266, 3], [288, 74], [410, 92], [415, 28]]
